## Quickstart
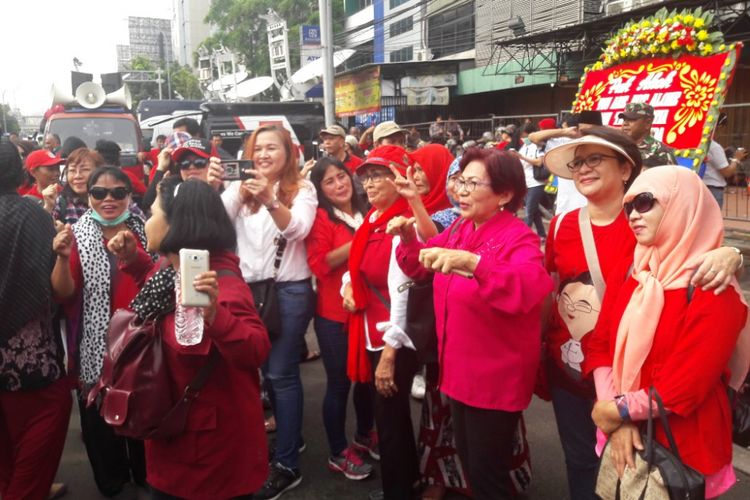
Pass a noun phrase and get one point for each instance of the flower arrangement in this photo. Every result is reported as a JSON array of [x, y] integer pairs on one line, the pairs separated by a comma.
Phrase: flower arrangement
[[663, 34]]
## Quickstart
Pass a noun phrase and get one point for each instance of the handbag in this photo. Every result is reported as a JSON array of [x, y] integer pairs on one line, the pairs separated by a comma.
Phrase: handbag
[[540, 173], [136, 386], [740, 404], [420, 319], [659, 472], [266, 297]]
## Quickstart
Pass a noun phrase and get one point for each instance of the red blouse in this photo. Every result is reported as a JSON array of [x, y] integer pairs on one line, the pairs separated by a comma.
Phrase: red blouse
[[691, 349], [326, 236]]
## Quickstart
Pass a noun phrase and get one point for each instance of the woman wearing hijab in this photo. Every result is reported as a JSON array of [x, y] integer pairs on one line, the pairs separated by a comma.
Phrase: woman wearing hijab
[[34, 390], [86, 273], [373, 295], [657, 331]]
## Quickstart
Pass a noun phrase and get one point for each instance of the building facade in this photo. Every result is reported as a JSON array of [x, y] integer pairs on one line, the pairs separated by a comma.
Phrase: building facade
[[189, 28], [148, 37]]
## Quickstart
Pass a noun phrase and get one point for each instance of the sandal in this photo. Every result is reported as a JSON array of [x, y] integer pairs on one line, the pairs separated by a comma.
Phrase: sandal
[[57, 490]]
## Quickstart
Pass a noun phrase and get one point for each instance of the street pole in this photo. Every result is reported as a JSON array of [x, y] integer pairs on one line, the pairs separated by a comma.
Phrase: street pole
[[159, 80], [5, 124], [326, 41]]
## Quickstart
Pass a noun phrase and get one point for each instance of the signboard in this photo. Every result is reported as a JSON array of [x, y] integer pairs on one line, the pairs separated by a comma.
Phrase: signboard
[[442, 80], [672, 63], [309, 35], [358, 93], [429, 96]]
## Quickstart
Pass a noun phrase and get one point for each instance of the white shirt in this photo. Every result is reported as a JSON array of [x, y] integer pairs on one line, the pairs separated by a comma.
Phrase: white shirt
[[530, 150], [568, 197], [716, 160], [256, 233]]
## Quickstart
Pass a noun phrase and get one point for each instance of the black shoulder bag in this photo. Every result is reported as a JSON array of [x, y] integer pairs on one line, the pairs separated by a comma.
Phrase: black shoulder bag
[[265, 294]]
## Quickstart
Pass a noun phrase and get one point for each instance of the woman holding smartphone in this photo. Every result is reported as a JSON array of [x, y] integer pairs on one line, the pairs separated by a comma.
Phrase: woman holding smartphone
[[213, 457]]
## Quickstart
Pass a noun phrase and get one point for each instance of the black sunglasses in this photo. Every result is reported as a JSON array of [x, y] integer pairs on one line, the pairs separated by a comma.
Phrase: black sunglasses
[[642, 203], [198, 162], [100, 193]]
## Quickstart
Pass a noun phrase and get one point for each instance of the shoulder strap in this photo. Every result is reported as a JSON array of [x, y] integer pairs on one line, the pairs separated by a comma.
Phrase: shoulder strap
[[589, 249], [377, 293], [558, 224]]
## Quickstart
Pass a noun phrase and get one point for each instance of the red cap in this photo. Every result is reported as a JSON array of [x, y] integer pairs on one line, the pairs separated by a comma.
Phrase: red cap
[[199, 147], [547, 124], [388, 156], [42, 158]]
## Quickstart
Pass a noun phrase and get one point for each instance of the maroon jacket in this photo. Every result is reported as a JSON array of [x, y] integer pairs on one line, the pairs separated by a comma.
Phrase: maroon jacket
[[223, 451]]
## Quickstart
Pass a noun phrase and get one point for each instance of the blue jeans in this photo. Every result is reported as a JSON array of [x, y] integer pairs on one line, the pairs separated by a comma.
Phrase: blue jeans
[[718, 193], [333, 342], [578, 437], [534, 196], [296, 301]]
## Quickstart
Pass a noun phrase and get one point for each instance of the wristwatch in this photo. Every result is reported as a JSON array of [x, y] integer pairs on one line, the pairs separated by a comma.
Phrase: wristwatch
[[273, 205]]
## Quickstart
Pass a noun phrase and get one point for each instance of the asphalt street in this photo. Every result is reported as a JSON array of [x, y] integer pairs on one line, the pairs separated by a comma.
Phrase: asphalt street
[[319, 483]]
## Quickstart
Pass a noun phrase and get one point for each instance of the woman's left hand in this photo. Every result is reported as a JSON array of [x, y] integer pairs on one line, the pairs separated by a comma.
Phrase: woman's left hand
[[208, 283], [606, 417], [446, 261], [623, 442], [384, 373], [258, 187], [716, 270]]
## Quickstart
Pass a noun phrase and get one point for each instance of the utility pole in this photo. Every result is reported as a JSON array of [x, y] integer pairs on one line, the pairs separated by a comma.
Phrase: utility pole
[[326, 42]]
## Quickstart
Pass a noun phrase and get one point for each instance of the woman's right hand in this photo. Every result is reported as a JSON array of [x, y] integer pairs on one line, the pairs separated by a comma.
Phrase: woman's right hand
[[309, 164], [623, 441], [349, 303], [63, 242], [215, 173], [403, 227], [123, 246], [165, 159], [405, 186]]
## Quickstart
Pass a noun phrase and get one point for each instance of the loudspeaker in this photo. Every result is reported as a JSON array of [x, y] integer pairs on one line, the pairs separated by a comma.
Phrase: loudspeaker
[[120, 96], [59, 96], [77, 78], [111, 82], [90, 95]]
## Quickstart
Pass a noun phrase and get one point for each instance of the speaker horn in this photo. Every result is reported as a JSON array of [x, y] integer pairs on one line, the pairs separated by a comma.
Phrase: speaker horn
[[90, 95], [120, 96], [59, 96]]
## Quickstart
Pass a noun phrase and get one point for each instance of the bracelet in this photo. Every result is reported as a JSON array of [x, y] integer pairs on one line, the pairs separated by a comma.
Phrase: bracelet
[[739, 252], [622, 407]]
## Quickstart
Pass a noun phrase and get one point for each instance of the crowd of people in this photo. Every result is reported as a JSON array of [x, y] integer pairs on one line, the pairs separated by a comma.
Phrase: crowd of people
[[408, 261]]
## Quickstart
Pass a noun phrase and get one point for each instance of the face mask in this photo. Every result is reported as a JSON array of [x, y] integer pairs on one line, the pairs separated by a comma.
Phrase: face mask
[[110, 223]]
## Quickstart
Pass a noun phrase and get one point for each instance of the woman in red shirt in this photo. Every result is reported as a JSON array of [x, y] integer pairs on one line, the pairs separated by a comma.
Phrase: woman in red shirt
[[653, 333], [340, 213]]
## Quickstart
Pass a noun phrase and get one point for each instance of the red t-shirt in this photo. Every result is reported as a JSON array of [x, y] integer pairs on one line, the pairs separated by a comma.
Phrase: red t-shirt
[[326, 236], [576, 305], [352, 162]]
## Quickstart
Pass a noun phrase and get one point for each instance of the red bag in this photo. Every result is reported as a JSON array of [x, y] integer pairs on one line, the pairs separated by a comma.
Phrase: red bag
[[135, 385]]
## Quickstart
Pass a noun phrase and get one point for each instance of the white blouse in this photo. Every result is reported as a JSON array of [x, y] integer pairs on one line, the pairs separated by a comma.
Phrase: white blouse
[[256, 234]]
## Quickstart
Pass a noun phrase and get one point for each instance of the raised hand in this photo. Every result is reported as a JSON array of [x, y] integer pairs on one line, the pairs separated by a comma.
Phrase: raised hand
[[123, 246], [63, 242]]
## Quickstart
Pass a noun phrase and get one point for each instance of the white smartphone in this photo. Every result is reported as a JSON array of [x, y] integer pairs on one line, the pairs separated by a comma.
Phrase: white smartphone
[[193, 263]]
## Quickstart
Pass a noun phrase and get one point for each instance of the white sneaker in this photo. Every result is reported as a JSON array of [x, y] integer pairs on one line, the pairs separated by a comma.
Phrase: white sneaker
[[418, 387]]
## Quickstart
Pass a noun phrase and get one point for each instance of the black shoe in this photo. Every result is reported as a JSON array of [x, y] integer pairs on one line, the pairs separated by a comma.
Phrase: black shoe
[[280, 480], [376, 495], [272, 449]]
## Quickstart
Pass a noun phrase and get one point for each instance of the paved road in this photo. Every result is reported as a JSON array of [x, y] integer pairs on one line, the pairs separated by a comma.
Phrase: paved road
[[319, 483]]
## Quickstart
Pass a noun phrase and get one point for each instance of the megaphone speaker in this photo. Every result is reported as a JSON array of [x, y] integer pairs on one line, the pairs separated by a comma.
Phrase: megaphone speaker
[[90, 95], [59, 96], [120, 96]]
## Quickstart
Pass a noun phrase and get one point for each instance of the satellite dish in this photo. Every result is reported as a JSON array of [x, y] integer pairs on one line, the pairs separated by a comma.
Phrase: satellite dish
[[227, 81], [250, 88], [314, 70]]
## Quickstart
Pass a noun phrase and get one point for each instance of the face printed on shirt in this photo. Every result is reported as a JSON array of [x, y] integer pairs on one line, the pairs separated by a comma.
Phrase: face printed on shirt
[[578, 305]]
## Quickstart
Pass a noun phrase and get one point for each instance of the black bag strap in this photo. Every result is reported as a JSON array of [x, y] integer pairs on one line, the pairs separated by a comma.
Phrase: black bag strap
[[280, 243], [653, 395], [377, 293]]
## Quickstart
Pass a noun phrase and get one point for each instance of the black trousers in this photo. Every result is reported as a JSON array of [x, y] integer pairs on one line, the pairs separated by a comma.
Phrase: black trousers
[[115, 460], [399, 462], [484, 439], [160, 495]]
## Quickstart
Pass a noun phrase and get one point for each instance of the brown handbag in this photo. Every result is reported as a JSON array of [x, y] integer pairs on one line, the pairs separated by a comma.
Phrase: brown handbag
[[136, 386]]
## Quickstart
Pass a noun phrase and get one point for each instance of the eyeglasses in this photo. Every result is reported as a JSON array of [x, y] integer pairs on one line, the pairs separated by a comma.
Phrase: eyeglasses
[[100, 193], [198, 162], [591, 161], [470, 186], [376, 177], [642, 203], [579, 305]]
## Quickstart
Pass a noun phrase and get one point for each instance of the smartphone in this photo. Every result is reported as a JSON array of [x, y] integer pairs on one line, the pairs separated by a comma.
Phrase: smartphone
[[193, 263], [237, 170], [316, 150]]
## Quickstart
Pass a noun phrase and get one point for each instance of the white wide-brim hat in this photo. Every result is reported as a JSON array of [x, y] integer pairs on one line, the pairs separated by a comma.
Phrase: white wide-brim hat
[[557, 159]]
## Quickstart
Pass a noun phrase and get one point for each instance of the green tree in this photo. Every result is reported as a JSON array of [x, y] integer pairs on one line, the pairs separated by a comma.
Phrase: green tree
[[240, 28], [8, 120], [184, 82], [143, 90]]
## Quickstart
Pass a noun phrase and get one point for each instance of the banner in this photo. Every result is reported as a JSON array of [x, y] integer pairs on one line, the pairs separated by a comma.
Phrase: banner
[[670, 62], [429, 96], [358, 93]]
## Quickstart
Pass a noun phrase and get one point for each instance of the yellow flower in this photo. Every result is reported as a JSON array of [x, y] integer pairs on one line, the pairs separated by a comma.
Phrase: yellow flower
[[710, 118], [653, 49], [675, 45], [696, 162], [699, 23], [645, 24], [702, 35], [688, 19], [707, 49], [722, 47], [678, 18], [668, 21], [665, 49], [691, 47]]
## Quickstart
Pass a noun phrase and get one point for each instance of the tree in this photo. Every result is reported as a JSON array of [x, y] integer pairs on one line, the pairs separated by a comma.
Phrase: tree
[[7, 119], [142, 90], [184, 82], [241, 29]]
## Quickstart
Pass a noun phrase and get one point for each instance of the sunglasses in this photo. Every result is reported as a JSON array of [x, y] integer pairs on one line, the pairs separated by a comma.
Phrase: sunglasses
[[198, 162], [100, 193], [642, 203]]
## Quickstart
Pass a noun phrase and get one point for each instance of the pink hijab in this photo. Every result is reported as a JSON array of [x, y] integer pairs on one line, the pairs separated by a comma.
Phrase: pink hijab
[[691, 226]]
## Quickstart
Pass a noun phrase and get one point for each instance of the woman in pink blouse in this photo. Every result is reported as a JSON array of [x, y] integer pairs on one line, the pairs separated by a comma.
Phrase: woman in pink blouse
[[489, 286]]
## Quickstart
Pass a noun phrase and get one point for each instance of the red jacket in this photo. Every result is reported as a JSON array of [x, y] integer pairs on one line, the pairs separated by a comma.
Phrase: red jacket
[[326, 236], [222, 453], [690, 352]]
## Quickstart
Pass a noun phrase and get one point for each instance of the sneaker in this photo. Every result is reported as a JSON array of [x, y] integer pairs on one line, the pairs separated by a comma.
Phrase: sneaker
[[418, 387], [367, 444], [350, 464], [272, 449], [280, 480]]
